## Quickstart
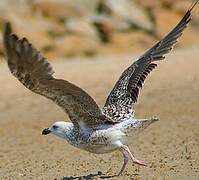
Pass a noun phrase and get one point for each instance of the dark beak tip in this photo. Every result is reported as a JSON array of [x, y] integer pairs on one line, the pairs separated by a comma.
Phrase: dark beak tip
[[46, 131]]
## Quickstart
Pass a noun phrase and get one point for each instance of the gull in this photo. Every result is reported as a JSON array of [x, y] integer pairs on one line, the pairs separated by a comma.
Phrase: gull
[[91, 128]]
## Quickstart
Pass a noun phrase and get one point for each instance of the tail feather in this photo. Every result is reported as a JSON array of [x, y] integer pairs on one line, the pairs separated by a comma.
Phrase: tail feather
[[144, 123], [138, 126]]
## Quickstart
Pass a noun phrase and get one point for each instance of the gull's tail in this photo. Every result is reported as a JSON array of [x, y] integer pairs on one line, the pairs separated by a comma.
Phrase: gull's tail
[[137, 126], [144, 123]]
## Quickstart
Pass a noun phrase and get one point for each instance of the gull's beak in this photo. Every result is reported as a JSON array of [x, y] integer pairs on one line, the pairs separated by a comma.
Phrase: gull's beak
[[46, 131]]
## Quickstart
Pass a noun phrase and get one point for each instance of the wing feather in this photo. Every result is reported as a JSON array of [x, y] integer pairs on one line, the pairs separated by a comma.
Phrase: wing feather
[[35, 73], [126, 90]]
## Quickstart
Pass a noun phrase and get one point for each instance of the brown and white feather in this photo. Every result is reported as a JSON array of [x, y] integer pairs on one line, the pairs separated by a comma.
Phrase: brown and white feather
[[35, 73], [120, 102]]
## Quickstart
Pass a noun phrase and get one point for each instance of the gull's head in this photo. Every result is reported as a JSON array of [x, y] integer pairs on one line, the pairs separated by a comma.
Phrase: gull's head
[[58, 128]]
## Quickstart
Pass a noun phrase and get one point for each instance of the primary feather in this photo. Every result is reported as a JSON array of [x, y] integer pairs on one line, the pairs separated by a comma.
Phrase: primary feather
[[34, 72], [120, 102]]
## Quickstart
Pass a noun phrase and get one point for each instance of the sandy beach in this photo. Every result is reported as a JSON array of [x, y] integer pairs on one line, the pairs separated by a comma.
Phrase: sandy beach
[[170, 147]]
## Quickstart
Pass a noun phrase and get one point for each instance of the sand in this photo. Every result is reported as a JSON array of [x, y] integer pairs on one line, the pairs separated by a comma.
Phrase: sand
[[170, 147]]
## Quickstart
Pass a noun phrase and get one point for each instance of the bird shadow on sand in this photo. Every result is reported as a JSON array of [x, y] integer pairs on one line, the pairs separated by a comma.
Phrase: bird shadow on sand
[[90, 176]]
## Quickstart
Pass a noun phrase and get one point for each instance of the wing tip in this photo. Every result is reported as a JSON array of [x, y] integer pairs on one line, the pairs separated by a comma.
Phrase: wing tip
[[7, 29], [193, 5]]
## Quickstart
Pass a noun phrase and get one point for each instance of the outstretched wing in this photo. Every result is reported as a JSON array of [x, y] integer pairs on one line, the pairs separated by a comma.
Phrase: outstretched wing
[[119, 104], [36, 74]]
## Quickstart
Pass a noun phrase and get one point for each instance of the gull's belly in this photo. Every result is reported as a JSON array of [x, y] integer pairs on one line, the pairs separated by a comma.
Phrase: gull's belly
[[99, 141], [104, 140], [100, 149]]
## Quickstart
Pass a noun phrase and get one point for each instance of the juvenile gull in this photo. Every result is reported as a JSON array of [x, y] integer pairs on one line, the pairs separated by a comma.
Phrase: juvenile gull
[[92, 129]]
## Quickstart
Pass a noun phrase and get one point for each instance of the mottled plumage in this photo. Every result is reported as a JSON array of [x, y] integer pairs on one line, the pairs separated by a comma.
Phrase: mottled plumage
[[125, 93], [92, 129]]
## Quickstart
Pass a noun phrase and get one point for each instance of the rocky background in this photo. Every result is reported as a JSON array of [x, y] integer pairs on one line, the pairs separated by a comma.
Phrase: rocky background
[[91, 42], [68, 28]]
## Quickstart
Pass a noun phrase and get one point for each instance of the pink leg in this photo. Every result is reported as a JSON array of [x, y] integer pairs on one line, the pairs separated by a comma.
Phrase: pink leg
[[126, 159], [136, 161]]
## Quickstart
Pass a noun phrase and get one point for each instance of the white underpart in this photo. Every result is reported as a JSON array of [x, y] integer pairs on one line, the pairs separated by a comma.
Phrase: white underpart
[[101, 139]]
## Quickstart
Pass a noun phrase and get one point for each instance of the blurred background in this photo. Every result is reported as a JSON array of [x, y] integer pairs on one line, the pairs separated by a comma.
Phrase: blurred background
[[69, 28], [90, 43]]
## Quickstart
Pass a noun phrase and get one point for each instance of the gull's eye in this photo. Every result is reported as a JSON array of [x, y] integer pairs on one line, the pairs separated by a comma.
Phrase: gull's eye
[[55, 127]]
